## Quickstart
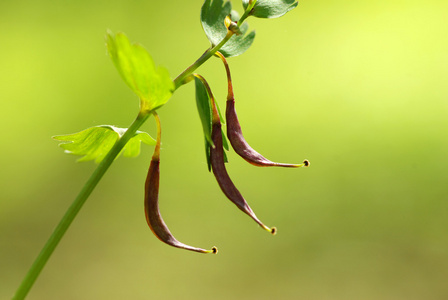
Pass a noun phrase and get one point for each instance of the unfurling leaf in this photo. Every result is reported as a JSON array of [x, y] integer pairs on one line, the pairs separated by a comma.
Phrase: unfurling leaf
[[271, 8], [204, 110], [94, 143], [152, 85], [205, 114], [213, 15]]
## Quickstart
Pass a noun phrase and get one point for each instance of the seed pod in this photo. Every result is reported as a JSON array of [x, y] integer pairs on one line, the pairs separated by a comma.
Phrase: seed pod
[[220, 172], [152, 212], [217, 162], [242, 148], [235, 134]]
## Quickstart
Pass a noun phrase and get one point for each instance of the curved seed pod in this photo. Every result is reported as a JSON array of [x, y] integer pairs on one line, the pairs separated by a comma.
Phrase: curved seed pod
[[153, 217], [224, 181], [235, 134], [217, 162], [242, 148]]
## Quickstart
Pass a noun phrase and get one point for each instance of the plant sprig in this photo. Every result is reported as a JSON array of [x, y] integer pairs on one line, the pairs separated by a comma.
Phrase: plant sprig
[[228, 34]]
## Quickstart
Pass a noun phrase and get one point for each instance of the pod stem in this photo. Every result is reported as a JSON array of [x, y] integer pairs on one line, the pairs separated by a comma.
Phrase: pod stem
[[156, 154], [230, 95]]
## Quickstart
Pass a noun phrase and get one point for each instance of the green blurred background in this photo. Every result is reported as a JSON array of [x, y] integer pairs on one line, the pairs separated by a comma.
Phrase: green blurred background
[[360, 88]]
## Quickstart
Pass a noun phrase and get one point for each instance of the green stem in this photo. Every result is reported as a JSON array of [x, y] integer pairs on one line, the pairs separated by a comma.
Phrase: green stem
[[246, 13], [73, 210], [180, 80], [90, 185], [207, 54]]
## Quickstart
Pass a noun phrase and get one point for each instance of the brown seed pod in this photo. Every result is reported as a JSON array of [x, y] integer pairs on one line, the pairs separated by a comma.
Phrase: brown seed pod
[[242, 148], [235, 134], [217, 162], [152, 212], [221, 175]]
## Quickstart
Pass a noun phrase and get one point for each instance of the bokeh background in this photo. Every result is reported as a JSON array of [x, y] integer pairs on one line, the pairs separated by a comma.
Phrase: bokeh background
[[360, 88]]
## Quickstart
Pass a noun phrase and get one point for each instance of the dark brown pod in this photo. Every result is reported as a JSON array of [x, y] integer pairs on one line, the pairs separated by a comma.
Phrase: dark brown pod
[[152, 212], [235, 134], [242, 148], [224, 181], [217, 162]]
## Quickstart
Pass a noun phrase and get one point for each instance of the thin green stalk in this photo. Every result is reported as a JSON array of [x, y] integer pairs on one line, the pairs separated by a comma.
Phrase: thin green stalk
[[180, 80], [247, 12], [207, 54], [91, 183], [73, 210]]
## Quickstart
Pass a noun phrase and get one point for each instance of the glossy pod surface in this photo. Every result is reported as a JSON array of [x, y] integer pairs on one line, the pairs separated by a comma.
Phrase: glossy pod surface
[[242, 148], [224, 181], [152, 212]]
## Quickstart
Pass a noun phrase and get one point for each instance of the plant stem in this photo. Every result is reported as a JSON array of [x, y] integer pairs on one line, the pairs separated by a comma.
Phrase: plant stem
[[73, 210], [211, 51], [207, 54], [91, 183]]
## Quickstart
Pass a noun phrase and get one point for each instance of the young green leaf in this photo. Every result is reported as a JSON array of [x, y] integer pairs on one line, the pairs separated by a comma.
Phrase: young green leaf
[[95, 142], [204, 110], [271, 8], [213, 14], [152, 85], [205, 114]]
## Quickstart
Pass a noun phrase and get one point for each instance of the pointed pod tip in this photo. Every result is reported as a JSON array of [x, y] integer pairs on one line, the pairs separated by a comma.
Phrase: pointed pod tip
[[305, 163], [214, 250], [271, 230]]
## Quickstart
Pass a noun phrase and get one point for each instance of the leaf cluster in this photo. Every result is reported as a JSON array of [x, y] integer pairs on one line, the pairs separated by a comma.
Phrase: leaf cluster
[[94, 143], [213, 15]]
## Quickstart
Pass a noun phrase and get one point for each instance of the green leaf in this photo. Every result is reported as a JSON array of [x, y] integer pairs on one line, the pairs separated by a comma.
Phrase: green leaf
[[205, 114], [204, 110], [213, 14], [271, 8], [152, 85], [94, 143], [207, 155]]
